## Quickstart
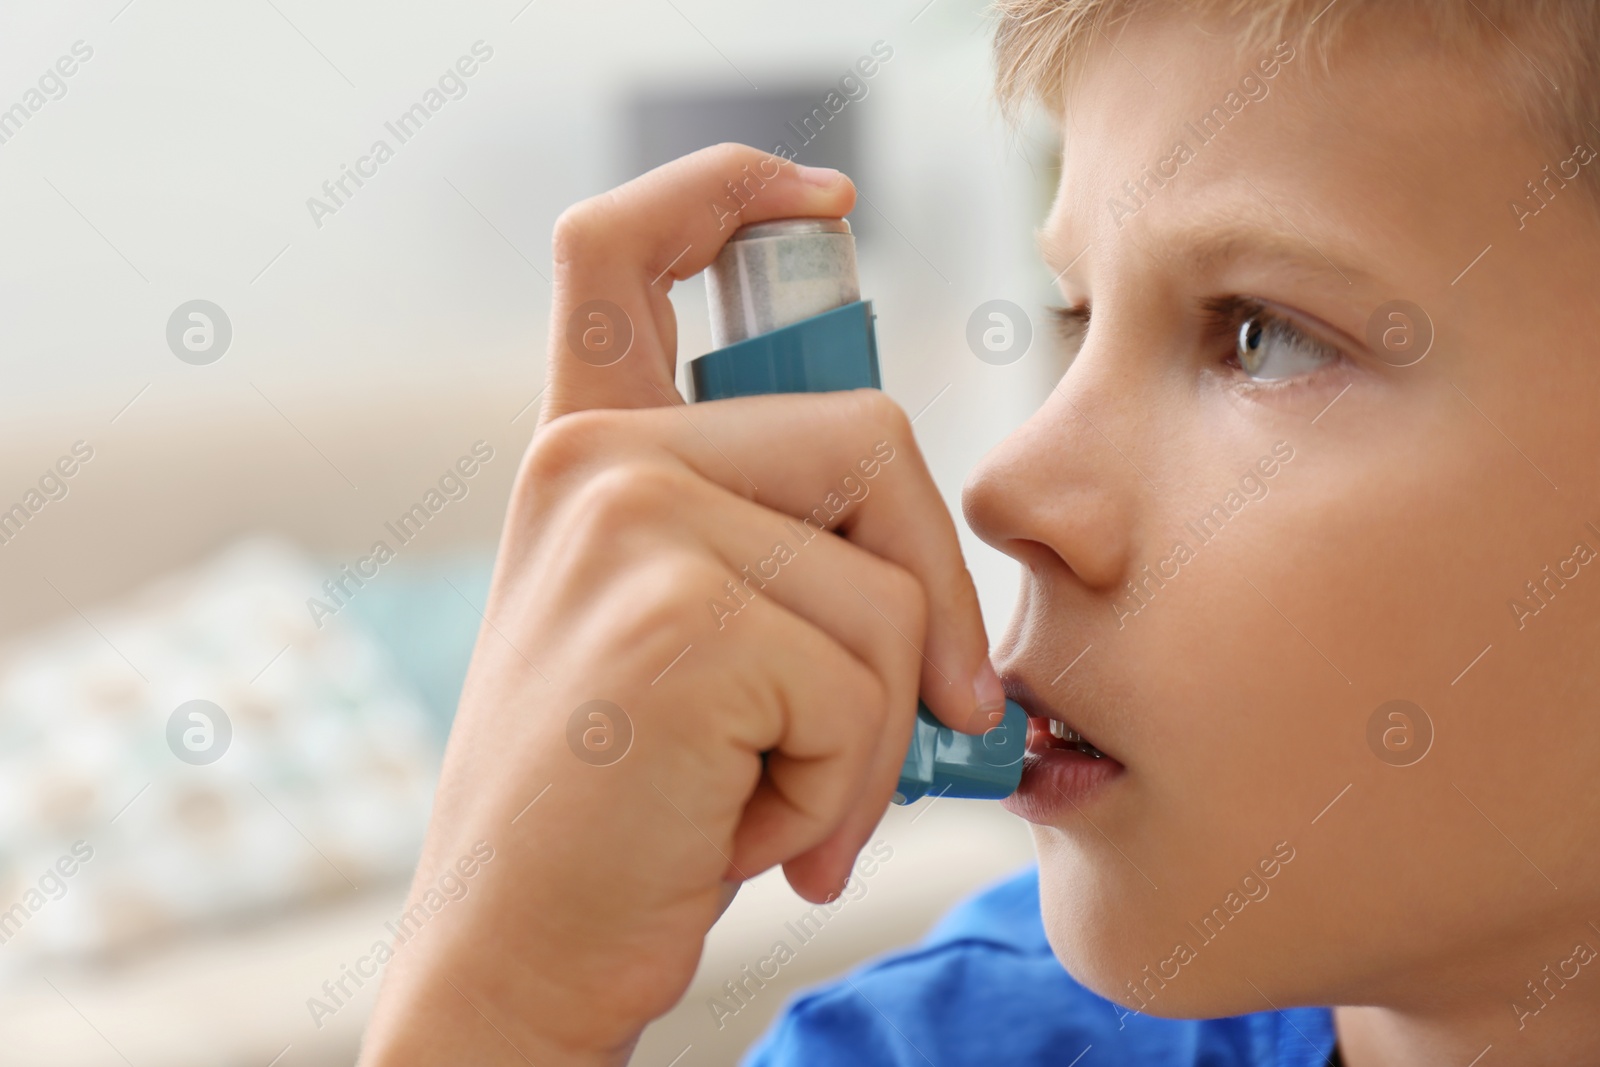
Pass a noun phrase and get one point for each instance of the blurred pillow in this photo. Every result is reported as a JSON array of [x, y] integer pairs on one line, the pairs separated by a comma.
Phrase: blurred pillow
[[323, 787]]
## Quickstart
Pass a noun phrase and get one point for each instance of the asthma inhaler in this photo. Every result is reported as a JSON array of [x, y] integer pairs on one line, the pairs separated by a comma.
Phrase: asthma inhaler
[[787, 317]]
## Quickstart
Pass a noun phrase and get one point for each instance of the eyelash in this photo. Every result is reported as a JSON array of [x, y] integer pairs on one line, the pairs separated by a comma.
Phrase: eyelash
[[1071, 322], [1223, 317], [1226, 315]]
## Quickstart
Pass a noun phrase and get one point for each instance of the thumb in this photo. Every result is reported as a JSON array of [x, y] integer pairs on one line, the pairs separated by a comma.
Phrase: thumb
[[613, 336]]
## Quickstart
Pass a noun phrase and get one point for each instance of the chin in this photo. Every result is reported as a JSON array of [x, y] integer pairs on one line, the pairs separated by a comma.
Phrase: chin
[[1117, 938]]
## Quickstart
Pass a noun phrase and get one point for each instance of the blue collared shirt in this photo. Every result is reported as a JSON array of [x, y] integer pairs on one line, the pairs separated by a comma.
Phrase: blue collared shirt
[[984, 988]]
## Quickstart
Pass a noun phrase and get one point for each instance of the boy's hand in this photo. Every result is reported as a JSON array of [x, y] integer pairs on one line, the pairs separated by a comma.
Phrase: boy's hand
[[767, 731]]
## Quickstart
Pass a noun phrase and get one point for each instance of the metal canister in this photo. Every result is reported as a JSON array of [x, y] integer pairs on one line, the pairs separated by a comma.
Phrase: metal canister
[[772, 274]]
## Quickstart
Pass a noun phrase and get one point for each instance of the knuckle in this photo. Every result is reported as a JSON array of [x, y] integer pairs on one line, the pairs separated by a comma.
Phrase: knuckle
[[582, 226], [882, 412], [905, 600], [663, 598], [619, 495], [568, 443], [569, 235], [726, 153], [869, 699], [637, 617], [577, 484]]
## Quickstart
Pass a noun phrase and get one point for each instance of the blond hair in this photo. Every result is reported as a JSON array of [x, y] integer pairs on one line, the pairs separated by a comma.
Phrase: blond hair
[[1549, 50]]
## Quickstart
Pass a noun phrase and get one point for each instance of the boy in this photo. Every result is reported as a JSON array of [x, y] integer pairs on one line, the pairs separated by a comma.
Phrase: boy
[[1318, 496]]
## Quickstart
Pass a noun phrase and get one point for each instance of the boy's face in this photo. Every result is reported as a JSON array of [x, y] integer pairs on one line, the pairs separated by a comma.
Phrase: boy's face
[[1379, 563]]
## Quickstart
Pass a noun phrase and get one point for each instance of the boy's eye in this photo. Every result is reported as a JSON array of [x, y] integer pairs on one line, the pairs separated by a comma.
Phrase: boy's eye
[[1267, 345], [1269, 348], [1071, 323]]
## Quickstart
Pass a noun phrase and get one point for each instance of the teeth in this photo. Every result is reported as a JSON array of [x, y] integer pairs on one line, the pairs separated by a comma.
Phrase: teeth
[[1058, 729]]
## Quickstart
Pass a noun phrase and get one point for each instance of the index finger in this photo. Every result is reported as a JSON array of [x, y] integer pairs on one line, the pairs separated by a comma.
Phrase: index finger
[[613, 335]]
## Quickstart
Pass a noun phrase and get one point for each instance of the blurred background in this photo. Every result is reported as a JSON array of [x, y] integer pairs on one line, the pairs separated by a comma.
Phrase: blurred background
[[221, 382]]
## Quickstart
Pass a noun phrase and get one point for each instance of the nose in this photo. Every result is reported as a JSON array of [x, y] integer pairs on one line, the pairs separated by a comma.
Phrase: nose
[[1061, 493]]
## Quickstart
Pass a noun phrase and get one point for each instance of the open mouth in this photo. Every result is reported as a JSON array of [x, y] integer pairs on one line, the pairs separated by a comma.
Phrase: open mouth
[[1070, 738], [1063, 769]]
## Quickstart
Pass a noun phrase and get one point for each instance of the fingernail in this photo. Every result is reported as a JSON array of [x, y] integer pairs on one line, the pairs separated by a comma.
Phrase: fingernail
[[989, 697], [817, 175]]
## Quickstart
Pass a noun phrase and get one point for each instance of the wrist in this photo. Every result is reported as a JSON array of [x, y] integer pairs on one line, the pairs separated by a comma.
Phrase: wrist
[[453, 1025], [441, 1008]]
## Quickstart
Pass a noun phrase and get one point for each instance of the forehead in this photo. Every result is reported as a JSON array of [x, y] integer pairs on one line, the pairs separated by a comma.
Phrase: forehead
[[1198, 147]]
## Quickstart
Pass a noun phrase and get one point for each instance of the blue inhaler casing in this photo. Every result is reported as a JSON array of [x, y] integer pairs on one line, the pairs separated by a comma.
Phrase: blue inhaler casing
[[787, 317]]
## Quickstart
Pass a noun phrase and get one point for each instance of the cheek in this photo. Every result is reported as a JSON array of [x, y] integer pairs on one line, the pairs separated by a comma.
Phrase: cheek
[[1449, 540], [1379, 568]]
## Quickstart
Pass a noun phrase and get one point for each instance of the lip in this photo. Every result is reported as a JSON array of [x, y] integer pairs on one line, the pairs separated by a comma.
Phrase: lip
[[1057, 779]]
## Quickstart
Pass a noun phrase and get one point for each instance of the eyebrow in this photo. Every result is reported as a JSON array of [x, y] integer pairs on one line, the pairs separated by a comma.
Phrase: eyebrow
[[1206, 244]]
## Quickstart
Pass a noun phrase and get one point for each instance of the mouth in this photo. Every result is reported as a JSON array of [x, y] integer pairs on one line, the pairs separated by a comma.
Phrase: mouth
[[1048, 729], [1064, 768]]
